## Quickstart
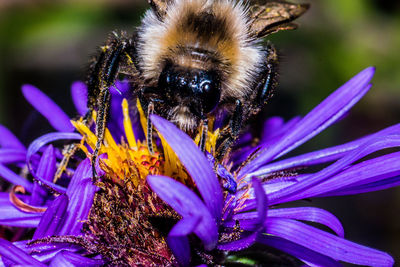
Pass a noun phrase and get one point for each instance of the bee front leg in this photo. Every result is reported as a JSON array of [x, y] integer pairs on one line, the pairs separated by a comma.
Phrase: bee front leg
[[101, 121], [235, 125], [102, 75]]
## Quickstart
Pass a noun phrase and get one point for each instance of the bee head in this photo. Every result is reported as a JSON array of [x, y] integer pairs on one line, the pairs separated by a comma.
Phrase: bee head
[[195, 87]]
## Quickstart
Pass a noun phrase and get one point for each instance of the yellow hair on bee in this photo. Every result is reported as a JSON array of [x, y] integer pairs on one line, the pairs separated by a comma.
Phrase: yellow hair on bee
[[219, 27]]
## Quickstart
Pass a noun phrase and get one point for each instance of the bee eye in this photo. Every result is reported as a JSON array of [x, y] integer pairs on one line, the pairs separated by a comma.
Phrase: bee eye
[[209, 94]]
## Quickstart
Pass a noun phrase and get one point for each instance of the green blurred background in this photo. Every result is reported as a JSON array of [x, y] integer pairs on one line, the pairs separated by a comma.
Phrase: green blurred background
[[47, 44]]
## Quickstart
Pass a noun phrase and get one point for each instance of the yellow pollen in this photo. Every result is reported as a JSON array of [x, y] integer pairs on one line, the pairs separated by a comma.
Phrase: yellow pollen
[[131, 159]]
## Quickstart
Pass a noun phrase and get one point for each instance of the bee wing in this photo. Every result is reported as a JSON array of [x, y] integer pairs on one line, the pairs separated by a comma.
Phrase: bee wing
[[159, 6], [275, 16]]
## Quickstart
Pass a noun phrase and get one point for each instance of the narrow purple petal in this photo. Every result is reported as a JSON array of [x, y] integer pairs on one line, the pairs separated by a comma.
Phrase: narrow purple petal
[[16, 255], [52, 219], [300, 252], [195, 162], [187, 204], [261, 200], [45, 252], [376, 186], [81, 201], [295, 191], [46, 171], [326, 243], [324, 155], [79, 97], [41, 142], [50, 110], [9, 140], [310, 214], [11, 216], [66, 258], [369, 171], [325, 114], [15, 179], [12, 155]]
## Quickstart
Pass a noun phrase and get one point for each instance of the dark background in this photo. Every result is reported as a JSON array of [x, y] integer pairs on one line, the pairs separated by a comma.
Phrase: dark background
[[47, 44]]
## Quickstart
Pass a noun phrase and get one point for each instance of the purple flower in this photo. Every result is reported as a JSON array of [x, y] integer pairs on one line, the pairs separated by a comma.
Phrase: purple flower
[[70, 214], [252, 215]]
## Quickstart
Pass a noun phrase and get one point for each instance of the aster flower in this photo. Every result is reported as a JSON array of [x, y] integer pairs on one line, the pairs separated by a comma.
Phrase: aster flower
[[125, 219]]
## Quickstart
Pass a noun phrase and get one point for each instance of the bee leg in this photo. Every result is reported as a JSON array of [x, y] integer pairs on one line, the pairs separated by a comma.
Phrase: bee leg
[[150, 111], [103, 73], [235, 125], [267, 80], [101, 126], [204, 132]]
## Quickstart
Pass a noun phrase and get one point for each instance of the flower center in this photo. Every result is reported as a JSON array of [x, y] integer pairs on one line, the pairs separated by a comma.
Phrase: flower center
[[127, 221]]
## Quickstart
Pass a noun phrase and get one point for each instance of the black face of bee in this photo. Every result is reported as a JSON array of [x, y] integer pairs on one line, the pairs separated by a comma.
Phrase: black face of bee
[[200, 89]]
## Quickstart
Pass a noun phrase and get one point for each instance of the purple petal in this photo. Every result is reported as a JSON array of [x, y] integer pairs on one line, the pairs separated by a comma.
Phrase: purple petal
[[16, 255], [79, 97], [326, 243], [50, 110], [325, 114], [11, 216], [52, 219], [11, 155], [41, 142], [195, 162], [66, 258], [188, 205], [271, 133], [46, 171], [376, 186], [179, 245], [81, 201], [310, 214], [83, 171], [45, 252], [15, 179], [261, 200], [302, 213], [297, 191], [9, 140], [303, 253], [324, 155], [178, 241], [368, 174]]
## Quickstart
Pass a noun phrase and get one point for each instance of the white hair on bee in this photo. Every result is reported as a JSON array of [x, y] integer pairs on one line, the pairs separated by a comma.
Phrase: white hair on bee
[[239, 53]]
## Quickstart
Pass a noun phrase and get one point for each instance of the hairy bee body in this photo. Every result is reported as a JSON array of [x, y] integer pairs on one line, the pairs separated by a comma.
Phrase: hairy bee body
[[194, 59]]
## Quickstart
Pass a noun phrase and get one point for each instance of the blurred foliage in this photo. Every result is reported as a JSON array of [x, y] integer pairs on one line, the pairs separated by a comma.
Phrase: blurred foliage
[[48, 43]]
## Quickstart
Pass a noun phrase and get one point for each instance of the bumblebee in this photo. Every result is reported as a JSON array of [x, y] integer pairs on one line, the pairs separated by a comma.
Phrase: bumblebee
[[191, 60]]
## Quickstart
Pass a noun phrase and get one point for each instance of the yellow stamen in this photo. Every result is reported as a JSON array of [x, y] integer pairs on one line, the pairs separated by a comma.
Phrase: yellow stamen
[[132, 160], [130, 136]]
